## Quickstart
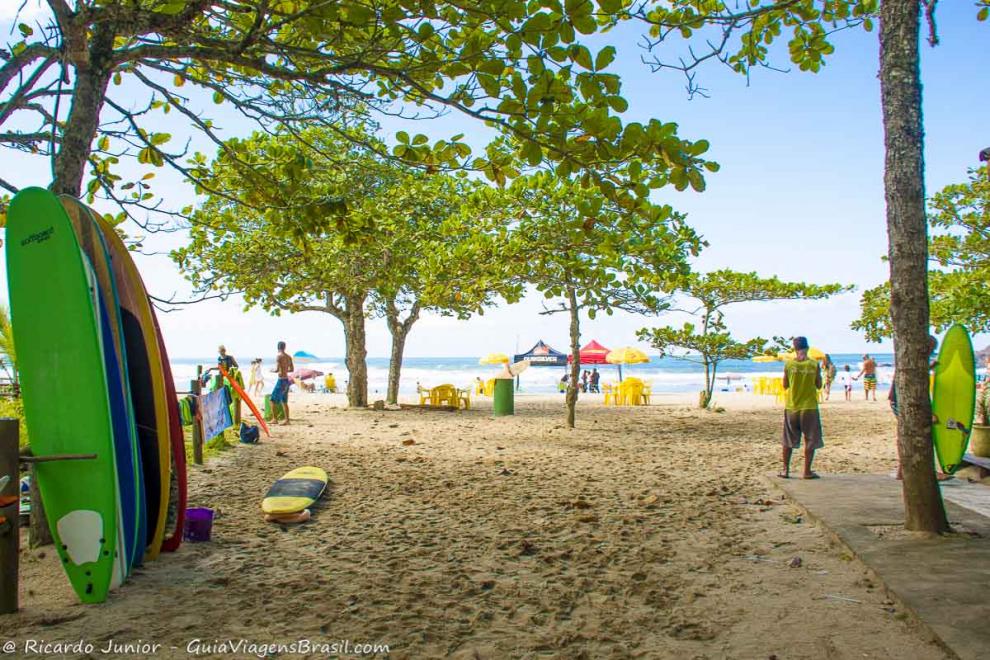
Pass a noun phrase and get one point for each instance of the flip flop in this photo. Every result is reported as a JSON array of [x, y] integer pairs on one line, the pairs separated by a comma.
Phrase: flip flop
[[781, 475], [813, 475]]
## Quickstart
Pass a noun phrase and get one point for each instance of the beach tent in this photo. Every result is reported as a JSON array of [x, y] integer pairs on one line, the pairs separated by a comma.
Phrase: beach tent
[[303, 356], [541, 355], [592, 353]]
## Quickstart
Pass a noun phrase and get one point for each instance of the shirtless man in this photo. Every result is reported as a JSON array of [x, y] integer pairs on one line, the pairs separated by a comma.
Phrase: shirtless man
[[869, 374], [280, 395]]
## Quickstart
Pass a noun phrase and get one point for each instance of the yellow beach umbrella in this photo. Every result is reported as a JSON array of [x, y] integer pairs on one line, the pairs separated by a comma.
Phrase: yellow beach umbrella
[[494, 358], [813, 353], [626, 355], [766, 358]]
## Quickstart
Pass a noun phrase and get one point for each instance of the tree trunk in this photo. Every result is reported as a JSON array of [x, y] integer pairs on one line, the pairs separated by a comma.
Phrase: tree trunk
[[705, 399], [395, 366], [572, 386], [357, 353], [706, 394], [92, 77], [907, 230], [399, 331]]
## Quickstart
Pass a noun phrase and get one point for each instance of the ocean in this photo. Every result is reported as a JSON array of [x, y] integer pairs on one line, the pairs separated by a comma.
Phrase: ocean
[[667, 374]]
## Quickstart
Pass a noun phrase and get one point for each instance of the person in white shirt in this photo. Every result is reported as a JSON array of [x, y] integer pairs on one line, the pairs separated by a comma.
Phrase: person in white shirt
[[846, 381]]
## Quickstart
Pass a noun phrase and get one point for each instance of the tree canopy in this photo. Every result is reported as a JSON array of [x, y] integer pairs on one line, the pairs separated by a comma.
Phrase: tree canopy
[[426, 241], [959, 253], [709, 342], [520, 67], [589, 254]]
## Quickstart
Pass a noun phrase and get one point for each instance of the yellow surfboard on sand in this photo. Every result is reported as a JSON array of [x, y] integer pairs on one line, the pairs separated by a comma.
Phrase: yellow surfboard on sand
[[295, 491]]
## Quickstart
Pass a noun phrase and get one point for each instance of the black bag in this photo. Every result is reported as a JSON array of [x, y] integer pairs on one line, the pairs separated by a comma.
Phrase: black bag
[[249, 434]]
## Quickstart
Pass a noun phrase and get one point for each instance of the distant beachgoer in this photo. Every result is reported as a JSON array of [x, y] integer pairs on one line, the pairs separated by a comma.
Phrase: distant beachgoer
[[869, 374], [226, 361], [584, 381], [479, 385], [828, 374], [802, 380], [593, 380], [330, 383], [256, 383], [562, 385], [846, 381], [280, 395]]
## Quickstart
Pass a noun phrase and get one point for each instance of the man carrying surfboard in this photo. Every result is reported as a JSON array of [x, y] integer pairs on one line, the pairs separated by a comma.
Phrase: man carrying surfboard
[[802, 380], [280, 395]]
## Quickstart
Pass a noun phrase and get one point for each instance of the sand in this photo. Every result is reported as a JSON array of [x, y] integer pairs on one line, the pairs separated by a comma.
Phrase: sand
[[646, 532]]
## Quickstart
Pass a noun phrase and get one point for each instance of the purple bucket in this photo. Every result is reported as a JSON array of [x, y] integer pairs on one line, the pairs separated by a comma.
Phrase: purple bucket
[[199, 522]]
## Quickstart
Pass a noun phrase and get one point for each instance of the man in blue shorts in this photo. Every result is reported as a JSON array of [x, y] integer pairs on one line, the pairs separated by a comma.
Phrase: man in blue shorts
[[280, 395]]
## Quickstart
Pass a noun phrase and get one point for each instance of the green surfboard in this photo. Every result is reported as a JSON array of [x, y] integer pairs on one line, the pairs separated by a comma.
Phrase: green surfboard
[[953, 398], [63, 382]]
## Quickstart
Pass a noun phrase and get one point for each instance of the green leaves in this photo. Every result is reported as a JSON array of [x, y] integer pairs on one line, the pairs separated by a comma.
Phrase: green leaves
[[605, 57], [959, 272]]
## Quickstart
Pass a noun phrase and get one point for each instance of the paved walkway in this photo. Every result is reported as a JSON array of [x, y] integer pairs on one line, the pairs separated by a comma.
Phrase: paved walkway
[[944, 581]]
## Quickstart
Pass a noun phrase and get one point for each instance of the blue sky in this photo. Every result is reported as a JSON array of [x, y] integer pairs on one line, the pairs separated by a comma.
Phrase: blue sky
[[799, 195]]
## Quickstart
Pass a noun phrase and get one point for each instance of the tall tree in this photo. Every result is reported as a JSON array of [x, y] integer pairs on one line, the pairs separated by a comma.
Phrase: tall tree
[[746, 35], [959, 260], [590, 255], [443, 255], [907, 232], [710, 342], [409, 221], [520, 68]]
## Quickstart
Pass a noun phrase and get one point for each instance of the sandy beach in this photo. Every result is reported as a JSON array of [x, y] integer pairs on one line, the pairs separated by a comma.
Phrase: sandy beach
[[648, 532]]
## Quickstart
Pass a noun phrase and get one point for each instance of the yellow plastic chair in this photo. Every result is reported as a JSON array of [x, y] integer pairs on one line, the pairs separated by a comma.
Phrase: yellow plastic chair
[[464, 398], [490, 387], [444, 395], [646, 393], [425, 396], [632, 392], [777, 388], [609, 393]]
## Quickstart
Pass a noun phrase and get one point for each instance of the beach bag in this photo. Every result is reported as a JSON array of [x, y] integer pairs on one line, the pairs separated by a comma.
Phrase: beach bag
[[249, 434]]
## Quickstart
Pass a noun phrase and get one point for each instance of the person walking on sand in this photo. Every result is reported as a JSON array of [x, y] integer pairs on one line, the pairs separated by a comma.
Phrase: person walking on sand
[[846, 381], [593, 380], [802, 380], [869, 374], [828, 373], [280, 395], [257, 378]]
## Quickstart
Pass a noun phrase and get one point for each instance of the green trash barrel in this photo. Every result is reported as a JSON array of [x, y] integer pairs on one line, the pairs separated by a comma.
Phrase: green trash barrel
[[268, 406], [502, 403]]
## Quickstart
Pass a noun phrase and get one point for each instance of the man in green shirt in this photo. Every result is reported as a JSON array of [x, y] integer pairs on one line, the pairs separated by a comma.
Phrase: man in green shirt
[[802, 380]]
